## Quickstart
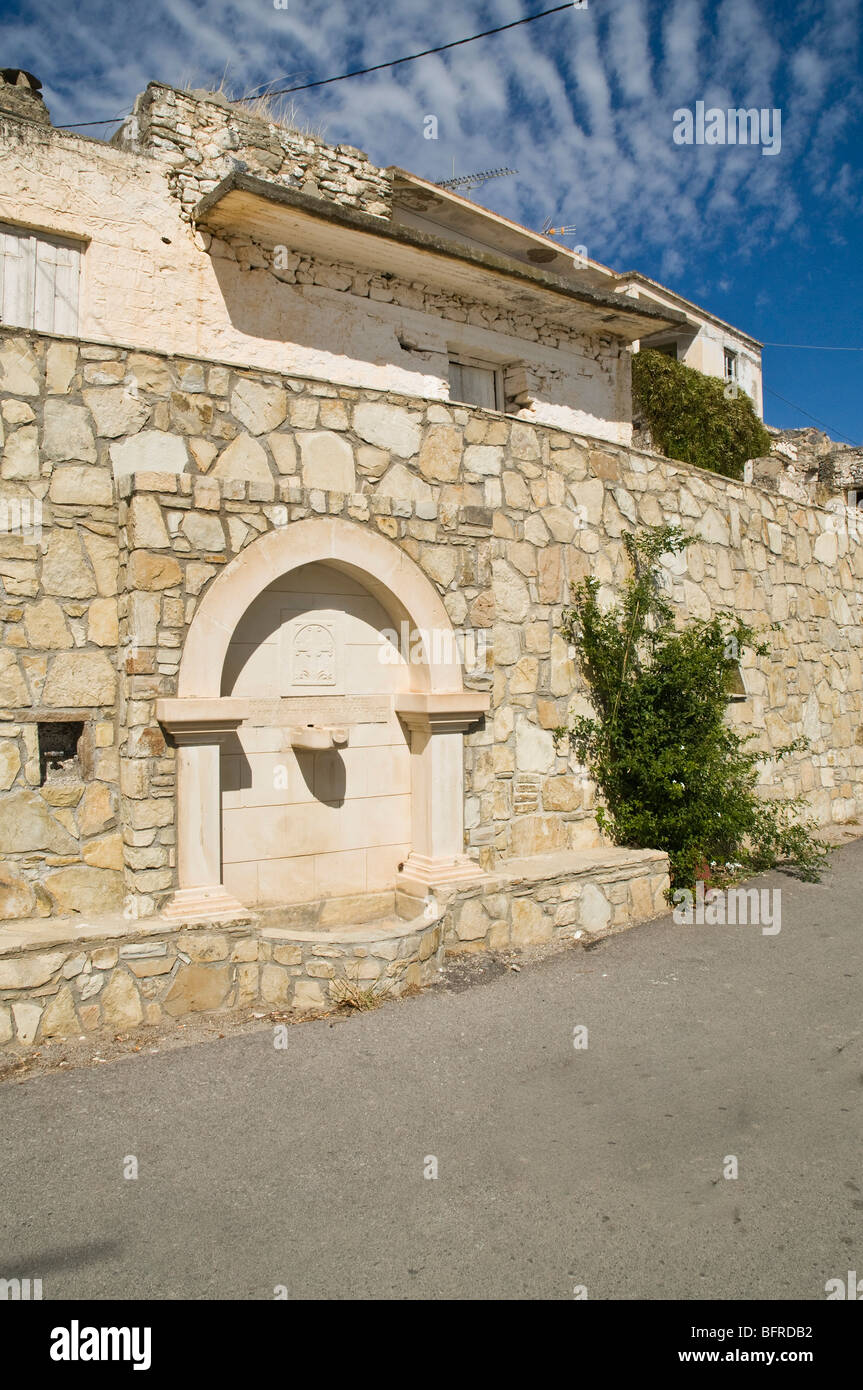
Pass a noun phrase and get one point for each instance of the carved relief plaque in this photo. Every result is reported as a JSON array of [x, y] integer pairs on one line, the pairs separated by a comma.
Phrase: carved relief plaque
[[313, 655]]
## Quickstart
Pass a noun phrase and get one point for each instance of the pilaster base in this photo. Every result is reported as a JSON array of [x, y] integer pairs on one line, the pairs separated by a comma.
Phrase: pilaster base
[[422, 875], [204, 904]]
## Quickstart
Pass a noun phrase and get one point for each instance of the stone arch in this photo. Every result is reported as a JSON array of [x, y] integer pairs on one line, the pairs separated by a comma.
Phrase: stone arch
[[436, 709], [387, 571]]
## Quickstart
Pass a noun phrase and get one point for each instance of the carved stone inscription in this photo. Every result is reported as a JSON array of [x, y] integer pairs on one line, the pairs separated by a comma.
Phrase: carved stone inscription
[[318, 709]]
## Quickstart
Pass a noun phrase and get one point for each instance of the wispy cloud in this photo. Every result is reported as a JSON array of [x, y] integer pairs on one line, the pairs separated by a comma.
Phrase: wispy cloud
[[581, 103]]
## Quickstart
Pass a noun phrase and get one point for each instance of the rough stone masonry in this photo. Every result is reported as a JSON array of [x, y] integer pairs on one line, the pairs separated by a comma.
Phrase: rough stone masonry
[[142, 475]]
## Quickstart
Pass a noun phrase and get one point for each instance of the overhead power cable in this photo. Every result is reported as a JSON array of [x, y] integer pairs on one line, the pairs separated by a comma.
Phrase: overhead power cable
[[831, 428], [361, 72], [79, 125], [412, 57], [813, 347]]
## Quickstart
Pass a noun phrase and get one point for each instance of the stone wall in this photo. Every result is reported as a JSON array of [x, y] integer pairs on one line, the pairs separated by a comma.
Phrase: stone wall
[[109, 974], [203, 137], [500, 515]]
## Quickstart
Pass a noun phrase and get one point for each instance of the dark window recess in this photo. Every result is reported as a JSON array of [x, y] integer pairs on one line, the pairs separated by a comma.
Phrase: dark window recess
[[737, 687], [60, 750]]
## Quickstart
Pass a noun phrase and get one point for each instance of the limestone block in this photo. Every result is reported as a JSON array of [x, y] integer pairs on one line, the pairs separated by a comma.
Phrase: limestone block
[[284, 450], [197, 989], [400, 483], [150, 373], [80, 678], [203, 452], [27, 1016], [106, 853], [82, 485], [7, 1031], [327, 462], [389, 427], [524, 442], [28, 972], [104, 557], [26, 825], [191, 414], [45, 626], [372, 463], [515, 491], [150, 451], [713, 528], [288, 955], [10, 764], [19, 370], [275, 985], [641, 898], [61, 360], [60, 1019], [471, 921], [21, 454], [96, 809], [440, 456], [511, 594], [538, 835], [203, 531], [485, 459], [102, 623], [205, 946], [259, 408], [65, 570], [83, 888], [115, 411], [145, 524], [595, 908], [439, 563], [530, 926], [121, 1003], [149, 572], [244, 460], [561, 794], [308, 994], [13, 687], [67, 432]]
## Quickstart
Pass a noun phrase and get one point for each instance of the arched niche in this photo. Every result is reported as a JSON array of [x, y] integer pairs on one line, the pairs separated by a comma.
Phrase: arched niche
[[432, 703]]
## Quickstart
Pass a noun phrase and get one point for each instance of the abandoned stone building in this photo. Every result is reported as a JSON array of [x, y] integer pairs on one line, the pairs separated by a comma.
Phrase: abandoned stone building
[[300, 456]]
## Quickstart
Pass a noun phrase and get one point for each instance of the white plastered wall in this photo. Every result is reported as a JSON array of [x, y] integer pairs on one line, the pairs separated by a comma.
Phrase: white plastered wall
[[149, 281]]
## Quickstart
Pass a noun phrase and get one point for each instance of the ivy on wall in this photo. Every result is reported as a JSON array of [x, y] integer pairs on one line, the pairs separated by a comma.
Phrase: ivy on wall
[[691, 418], [674, 775]]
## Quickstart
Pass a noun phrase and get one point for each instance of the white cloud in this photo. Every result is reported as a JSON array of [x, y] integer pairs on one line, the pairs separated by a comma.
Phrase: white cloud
[[581, 103]]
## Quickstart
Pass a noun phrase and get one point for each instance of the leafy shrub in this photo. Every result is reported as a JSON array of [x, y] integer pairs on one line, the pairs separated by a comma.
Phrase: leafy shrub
[[673, 774], [690, 417]]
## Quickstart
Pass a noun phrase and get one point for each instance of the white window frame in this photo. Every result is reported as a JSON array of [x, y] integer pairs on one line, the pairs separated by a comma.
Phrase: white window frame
[[459, 359], [730, 359], [40, 277]]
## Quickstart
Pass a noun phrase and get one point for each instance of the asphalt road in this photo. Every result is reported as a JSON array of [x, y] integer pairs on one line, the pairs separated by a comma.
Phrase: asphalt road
[[557, 1167]]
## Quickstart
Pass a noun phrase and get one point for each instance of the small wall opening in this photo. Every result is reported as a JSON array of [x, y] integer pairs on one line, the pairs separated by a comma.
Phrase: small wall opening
[[60, 751]]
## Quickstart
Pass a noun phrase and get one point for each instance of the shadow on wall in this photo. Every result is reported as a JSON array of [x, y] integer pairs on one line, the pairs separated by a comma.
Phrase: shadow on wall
[[324, 774], [322, 320]]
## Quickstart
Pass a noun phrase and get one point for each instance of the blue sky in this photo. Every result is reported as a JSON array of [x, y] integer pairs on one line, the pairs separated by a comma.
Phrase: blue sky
[[581, 103]]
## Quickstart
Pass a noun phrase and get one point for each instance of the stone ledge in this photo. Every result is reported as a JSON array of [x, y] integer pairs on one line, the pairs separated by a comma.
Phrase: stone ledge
[[571, 863]]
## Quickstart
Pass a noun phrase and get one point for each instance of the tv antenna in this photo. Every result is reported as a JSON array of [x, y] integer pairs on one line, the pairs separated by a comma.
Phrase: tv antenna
[[548, 230], [468, 182]]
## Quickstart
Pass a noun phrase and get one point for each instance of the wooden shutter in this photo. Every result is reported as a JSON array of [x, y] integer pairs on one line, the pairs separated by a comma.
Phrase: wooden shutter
[[18, 270], [473, 385], [39, 281]]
